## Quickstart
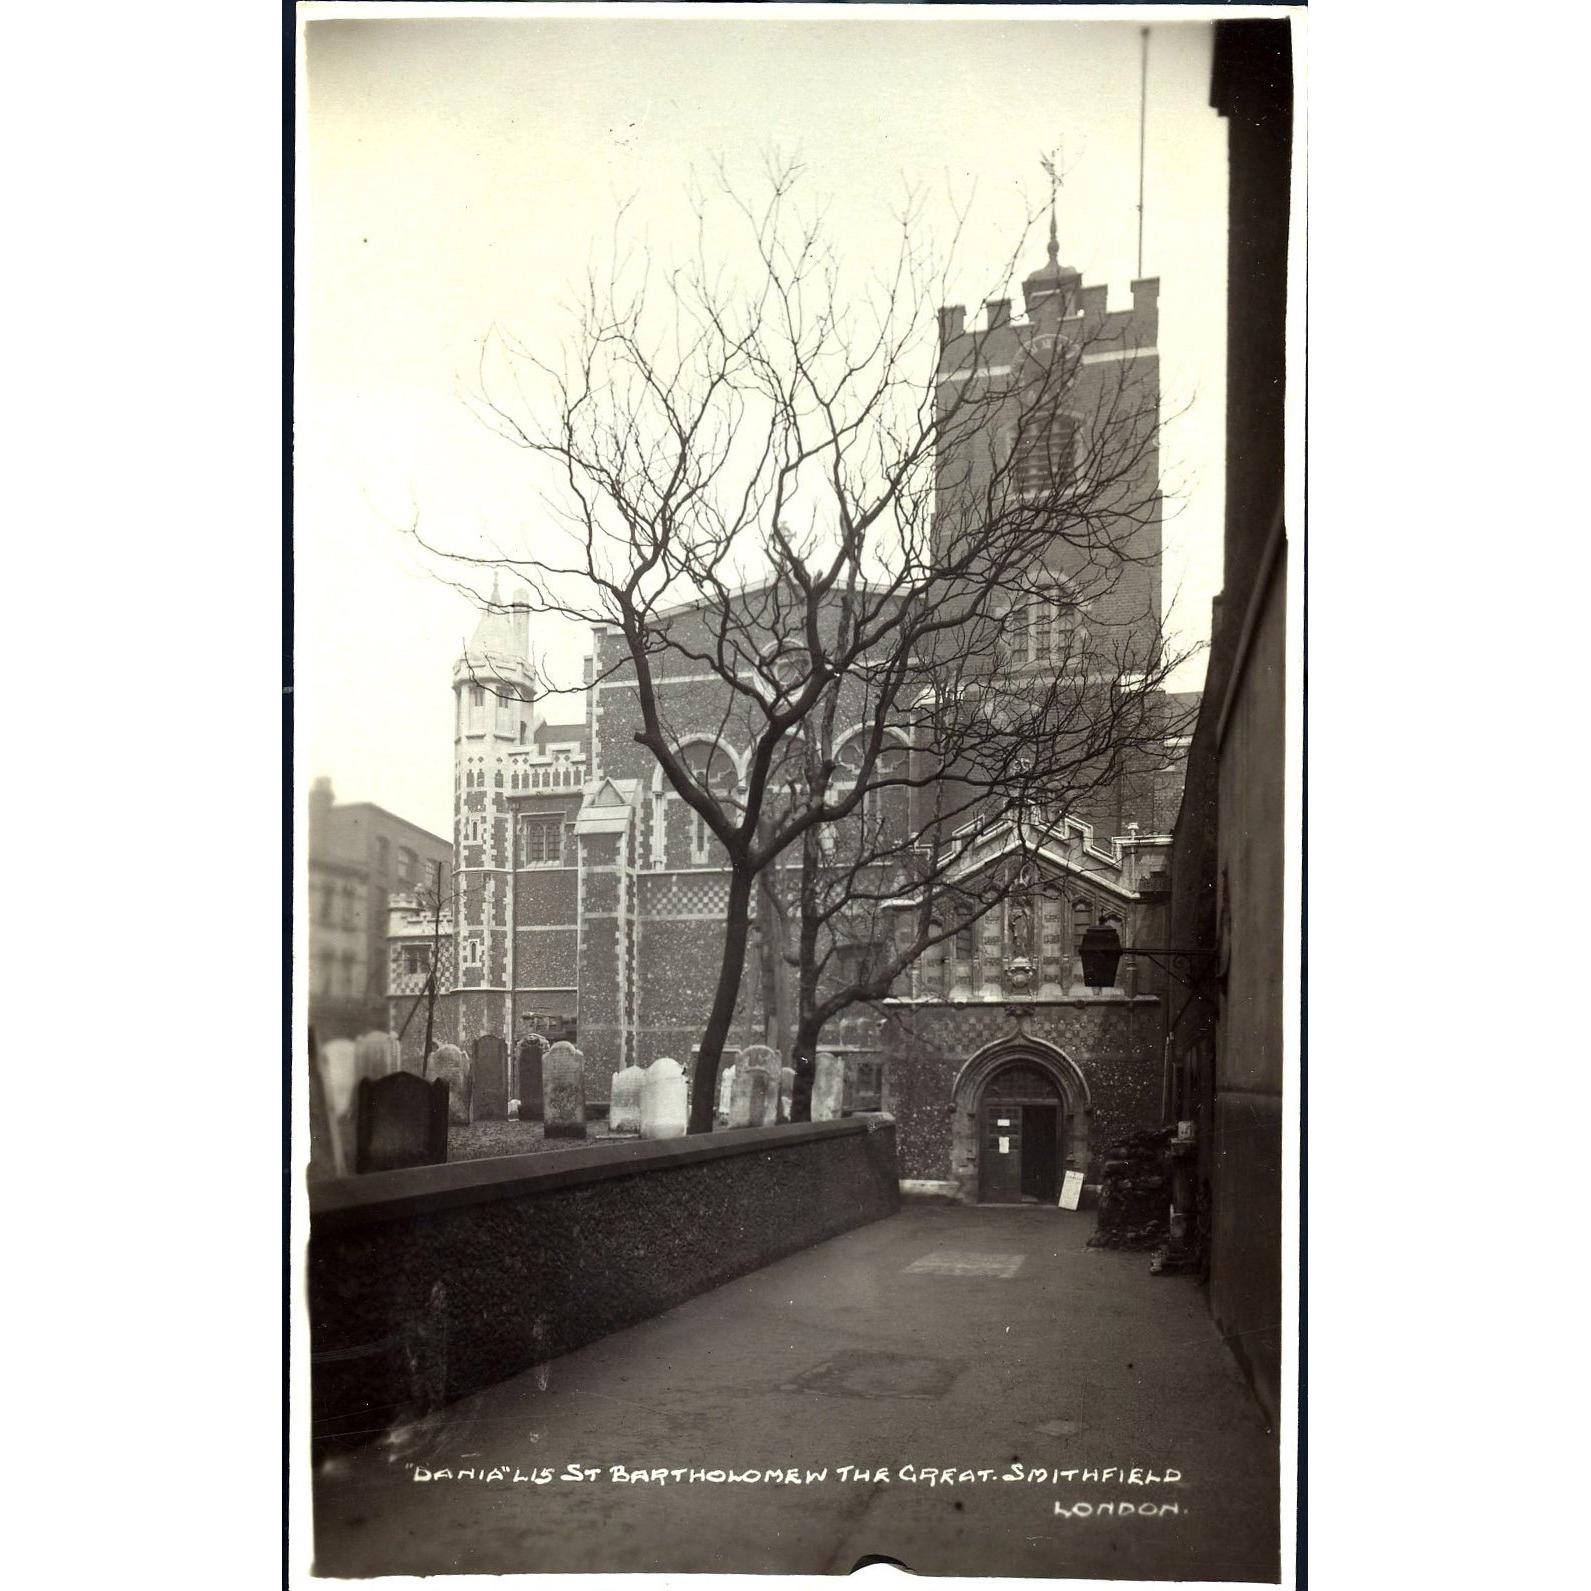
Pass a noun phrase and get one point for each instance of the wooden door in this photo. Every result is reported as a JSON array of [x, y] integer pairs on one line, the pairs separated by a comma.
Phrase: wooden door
[[1000, 1153], [1039, 1157]]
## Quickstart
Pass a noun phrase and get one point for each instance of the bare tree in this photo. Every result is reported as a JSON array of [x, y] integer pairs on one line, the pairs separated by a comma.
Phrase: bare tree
[[761, 482]]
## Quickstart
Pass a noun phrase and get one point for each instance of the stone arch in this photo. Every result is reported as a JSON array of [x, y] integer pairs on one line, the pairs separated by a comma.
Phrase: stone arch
[[980, 1069]]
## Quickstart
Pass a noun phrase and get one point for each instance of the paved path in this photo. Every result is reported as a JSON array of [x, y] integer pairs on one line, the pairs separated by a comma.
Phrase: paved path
[[944, 1337]]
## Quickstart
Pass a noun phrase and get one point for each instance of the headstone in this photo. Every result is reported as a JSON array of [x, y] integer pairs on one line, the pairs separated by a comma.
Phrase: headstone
[[563, 1077], [624, 1102], [528, 1063], [786, 1091], [760, 1059], [489, 1078], [402, 1121], [828, 1086], [339, 1074], [325, 1152], [663, 1099], [747, 1098], [377, 1055], [726, 1088], [447, 1063]]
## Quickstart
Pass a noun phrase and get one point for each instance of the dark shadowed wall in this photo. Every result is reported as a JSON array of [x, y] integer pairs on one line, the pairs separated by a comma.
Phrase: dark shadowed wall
[[429, 1284]]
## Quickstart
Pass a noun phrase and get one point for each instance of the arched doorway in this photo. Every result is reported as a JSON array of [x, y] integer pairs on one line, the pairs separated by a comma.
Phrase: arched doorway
[[1021, 1114], [1021, 1122]]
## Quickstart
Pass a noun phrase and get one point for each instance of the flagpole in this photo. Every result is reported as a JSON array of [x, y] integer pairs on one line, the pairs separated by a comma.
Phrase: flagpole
[[1143, 115]]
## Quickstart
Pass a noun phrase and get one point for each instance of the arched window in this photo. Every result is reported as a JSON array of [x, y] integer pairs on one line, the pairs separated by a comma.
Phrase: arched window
[[1039, 628], [713, 768], [885, 811]]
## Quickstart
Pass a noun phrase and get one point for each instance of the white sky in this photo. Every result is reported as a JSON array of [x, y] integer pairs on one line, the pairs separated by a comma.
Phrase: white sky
[[458, 173]]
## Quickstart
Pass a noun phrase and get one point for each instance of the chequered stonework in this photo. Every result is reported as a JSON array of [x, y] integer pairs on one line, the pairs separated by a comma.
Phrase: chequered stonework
[[684, 895]]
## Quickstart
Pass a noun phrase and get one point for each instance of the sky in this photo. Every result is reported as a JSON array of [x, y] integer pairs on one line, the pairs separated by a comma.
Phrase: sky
[[457, 174]]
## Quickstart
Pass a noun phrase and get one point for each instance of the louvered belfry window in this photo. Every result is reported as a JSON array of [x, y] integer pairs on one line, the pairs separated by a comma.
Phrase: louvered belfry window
[[1044, 454]]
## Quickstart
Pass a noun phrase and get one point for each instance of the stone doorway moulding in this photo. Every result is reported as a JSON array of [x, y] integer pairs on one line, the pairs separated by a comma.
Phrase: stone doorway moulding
[[975, 1076]]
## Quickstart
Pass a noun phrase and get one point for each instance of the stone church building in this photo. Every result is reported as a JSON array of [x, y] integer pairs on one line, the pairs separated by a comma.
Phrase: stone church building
[[588, 900]]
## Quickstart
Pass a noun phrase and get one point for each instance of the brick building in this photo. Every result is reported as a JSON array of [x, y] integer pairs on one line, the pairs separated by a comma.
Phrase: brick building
[[359, 855], [590, 898]]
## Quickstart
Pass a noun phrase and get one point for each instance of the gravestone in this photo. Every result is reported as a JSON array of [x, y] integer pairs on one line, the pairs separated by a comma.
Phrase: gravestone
[[563, 1077], [528, 1064], [786, 1091], [325, 1153], [726, 1088], [489, 1079], [402, 1121], [747, 1098], [828, 1086], [377, 1054], [663, 1099], [447, 1063], [624, 1101], [339, 1074], [754, 1098]]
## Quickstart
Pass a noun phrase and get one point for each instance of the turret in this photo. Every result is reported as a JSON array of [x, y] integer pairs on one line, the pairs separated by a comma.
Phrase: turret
[[494, 713]]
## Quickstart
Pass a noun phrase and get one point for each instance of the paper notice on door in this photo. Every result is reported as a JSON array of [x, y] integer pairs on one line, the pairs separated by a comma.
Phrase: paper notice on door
[[1005, 1146], [1004, 1121], [1071, 1190]]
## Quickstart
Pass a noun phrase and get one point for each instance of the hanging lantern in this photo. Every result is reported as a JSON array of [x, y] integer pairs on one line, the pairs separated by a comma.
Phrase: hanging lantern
[[1100, 951]]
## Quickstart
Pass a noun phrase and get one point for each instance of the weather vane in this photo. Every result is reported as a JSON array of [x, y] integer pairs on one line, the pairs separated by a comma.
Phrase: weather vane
[[1054, 170]]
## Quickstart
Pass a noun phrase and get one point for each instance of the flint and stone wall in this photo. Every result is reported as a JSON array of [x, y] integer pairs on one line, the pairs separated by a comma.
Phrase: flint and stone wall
[[1115, 1043], [428, 1284]]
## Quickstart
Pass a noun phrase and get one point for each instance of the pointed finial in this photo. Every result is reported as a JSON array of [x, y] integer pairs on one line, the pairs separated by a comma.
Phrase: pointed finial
[[1052, 165], [494, 588]]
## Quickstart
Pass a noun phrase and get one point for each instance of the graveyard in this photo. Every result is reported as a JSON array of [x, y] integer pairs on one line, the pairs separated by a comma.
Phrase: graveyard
[[368, 1099]]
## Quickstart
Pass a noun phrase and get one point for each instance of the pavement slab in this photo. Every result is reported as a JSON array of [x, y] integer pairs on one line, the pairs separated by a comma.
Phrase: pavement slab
[[966, 1390]]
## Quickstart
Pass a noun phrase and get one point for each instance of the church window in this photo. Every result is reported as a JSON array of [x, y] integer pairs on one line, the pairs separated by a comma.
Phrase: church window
[[477, 696], [891, 763], [540, 841], [713, 769]]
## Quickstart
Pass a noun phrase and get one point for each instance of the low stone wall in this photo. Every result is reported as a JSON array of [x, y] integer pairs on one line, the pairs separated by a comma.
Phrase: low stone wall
[[428, 1284]]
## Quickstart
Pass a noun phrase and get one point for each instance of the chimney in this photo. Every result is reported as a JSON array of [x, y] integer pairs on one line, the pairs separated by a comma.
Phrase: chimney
[[952, 322], [320, 803], [998, 311]]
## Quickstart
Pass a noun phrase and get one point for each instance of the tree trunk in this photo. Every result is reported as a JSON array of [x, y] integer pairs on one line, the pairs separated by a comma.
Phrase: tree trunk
[[737, 921], [808, 1029], [806, 1070]]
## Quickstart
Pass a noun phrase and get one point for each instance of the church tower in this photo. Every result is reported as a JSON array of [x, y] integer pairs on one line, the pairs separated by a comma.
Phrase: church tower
[[494, 714]]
